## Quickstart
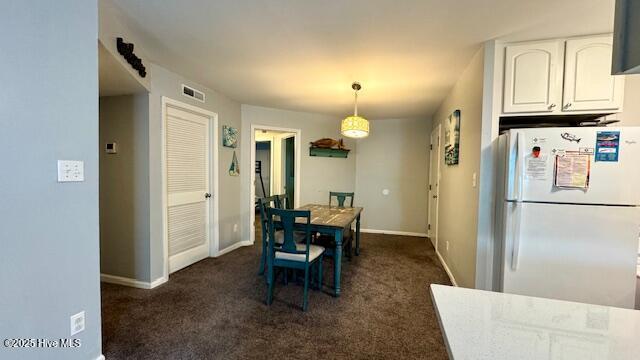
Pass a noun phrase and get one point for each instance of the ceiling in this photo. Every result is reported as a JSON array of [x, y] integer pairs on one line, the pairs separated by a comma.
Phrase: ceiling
[[303, 55], [115, 80]]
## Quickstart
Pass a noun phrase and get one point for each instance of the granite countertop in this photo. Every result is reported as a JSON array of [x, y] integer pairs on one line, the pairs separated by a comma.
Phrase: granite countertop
[[480, 324]]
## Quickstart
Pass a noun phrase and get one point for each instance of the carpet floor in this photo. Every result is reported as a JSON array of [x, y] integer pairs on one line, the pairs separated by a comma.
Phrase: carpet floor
[[215, 309]]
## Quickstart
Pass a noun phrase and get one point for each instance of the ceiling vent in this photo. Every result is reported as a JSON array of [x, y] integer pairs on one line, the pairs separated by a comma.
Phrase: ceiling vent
[[192, 93]]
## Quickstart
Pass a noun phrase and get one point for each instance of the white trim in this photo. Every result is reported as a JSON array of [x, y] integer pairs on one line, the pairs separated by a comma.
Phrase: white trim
[[214, 180], [101, 357], [446, 269], [235, 246], [393, 232], [435, 217], [120, 280], [252, 161]]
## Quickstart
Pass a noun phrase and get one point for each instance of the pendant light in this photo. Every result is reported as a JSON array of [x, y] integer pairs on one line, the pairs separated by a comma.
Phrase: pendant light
[[355, 126]]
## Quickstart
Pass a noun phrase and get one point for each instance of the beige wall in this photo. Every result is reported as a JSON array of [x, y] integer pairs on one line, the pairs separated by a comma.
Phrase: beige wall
[[630, 115], [124, 186], [394, 157], [458, 206], [318, 175]]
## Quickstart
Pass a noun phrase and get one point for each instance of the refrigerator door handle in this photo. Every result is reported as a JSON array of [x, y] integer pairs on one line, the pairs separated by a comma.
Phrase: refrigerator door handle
[[520, 165], [517, 217]]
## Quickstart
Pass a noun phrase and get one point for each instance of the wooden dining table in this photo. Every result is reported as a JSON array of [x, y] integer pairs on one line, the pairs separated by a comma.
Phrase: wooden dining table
[[334, 221]]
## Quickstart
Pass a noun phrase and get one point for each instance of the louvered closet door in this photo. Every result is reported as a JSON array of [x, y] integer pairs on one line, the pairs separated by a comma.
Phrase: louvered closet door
[[187, 187]]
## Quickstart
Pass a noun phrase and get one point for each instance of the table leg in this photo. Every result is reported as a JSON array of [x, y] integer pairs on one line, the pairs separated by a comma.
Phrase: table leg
[[337, 262], [358, 235]]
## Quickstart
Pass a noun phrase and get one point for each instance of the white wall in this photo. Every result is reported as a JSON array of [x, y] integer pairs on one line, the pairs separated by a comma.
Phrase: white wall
[[458, 199], [165, 82], [394, 157], [319, 175], [124, 187], [49, 262]]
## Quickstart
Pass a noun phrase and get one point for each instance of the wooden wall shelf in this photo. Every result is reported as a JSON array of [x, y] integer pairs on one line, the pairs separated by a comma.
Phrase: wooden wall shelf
[[324, 152]]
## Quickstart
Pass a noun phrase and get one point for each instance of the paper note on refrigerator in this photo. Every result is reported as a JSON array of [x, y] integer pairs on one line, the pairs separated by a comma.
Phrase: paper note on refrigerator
[[572, 170], [536, 167]]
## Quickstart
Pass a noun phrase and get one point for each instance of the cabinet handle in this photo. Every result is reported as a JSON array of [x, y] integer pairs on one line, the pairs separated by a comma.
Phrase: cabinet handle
[[567, 105], [552, 106]]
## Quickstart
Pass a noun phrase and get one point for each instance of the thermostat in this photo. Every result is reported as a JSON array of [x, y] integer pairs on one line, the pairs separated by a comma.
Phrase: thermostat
[[111, 148]]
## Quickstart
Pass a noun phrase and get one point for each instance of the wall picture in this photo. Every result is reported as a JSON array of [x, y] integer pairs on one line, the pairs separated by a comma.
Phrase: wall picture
[[452, 139], [229, 136], [234, 168]]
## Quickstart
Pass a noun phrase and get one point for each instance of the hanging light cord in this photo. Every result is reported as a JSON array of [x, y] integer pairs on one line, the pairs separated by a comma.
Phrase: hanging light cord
[[355, 112]]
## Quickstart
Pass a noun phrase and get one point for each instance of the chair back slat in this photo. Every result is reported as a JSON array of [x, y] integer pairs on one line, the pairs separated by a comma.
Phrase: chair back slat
[[341, 197], [265, 203], [287, 219]]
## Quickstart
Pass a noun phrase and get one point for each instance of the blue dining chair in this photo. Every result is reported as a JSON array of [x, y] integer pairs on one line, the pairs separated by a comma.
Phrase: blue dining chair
[[328, 241], [292, 255], [341, 197], [263, 203]]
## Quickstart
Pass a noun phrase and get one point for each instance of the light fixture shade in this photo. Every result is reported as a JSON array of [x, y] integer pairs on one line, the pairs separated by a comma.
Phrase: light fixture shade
[[355, 127]]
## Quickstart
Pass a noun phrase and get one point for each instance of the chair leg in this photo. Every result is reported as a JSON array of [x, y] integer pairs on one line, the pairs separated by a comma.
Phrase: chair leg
[[305, 300], [270, 282], [285, 276], [263, 259], [320, 272]]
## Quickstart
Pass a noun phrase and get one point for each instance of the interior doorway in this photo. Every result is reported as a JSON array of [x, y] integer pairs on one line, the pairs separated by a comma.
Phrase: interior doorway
[[275, 155], [434, 180]]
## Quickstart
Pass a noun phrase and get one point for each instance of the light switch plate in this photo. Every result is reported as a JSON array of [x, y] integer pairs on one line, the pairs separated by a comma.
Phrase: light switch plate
[[70, 171], [77, 323]]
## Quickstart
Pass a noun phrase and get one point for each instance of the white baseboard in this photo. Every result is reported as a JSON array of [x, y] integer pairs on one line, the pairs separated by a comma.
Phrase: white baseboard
[[101, 357], [447, 270], [393, 232], [235, 246], [120, 280]]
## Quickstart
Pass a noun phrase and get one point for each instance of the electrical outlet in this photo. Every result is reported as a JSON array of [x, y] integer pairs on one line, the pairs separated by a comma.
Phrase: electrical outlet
[[447, 245], [474, 180], [77, 323], [235, 228]]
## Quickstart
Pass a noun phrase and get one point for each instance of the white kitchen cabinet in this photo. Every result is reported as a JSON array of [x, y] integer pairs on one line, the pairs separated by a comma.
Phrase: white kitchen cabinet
[[561, 77], [533, 77], [588, 83]]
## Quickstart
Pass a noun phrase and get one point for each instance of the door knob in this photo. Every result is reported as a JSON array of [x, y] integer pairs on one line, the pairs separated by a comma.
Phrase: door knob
[[435, 196], [207, 195]]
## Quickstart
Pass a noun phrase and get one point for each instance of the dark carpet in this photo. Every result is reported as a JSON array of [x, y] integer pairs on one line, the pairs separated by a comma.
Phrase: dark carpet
[[215, 309]]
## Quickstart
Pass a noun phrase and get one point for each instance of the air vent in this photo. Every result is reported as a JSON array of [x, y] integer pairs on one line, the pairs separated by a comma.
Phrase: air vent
[[192, 93]]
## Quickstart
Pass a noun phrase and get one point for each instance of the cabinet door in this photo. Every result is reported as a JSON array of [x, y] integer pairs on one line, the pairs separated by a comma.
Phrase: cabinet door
[[588, 83], [533, 77]]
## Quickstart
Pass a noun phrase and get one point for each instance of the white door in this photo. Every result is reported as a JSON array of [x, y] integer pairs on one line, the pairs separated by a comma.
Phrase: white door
[[588, 83], [571, 252], [610, 182], [188, 194], [434, 177], [533, 77]]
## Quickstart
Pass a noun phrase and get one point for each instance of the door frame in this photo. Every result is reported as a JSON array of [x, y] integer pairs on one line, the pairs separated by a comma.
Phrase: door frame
[[214, 231], [283, 157], [252, 188], [438, 147]]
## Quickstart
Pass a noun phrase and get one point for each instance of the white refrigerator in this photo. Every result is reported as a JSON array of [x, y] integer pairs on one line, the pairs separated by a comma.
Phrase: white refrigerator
[[568, 213]]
